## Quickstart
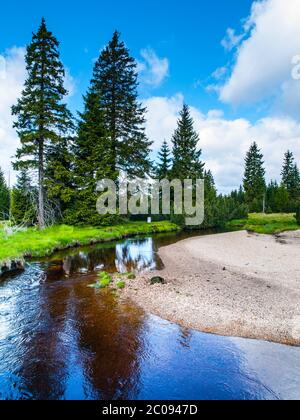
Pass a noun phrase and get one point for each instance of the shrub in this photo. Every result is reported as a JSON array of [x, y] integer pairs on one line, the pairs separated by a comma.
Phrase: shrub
[[121, 285]]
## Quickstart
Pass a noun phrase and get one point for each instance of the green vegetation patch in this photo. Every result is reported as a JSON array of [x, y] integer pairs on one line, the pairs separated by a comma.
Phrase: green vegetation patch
[[121, 285], [40, 243], [104, 281], [265, 223]]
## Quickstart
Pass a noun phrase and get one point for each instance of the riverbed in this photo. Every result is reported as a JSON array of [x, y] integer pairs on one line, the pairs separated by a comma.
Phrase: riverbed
[[60, 339]]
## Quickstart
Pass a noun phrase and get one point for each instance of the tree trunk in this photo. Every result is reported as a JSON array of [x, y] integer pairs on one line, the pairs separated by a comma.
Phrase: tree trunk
[[41, 209]]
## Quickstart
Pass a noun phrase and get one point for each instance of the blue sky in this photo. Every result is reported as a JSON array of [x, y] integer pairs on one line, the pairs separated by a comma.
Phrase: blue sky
[[230, 60], [187, 33]]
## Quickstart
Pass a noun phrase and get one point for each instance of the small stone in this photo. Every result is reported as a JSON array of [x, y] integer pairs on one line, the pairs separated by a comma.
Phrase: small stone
[[157, 280]]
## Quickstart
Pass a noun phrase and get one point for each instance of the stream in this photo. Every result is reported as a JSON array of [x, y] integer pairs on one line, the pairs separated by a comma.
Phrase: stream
[[60, 339]]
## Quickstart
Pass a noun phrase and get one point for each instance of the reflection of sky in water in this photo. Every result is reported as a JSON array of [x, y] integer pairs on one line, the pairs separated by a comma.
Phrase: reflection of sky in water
[[138, 255], [276, 365]]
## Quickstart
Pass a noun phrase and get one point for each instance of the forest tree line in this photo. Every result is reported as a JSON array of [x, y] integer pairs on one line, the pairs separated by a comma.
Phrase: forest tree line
[[61, 159]]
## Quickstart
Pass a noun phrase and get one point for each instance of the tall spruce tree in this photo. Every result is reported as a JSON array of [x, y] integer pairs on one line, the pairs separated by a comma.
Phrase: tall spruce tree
[[92, 162], [164, 163], [23, 200], [254, 179], [42, 118], [115, 79], [186, 155], [290, 176], [59, 181], [4, 198]]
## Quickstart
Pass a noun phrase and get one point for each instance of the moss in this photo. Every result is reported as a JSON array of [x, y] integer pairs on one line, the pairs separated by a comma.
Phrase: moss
[[131, 276]]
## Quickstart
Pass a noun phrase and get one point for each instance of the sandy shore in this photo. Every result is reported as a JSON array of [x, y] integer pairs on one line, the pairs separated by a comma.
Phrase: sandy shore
[[235, 284]]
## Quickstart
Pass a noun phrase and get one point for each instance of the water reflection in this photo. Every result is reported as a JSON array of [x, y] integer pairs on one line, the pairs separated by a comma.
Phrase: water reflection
[[130, 255], [64, 340], [60, 339]]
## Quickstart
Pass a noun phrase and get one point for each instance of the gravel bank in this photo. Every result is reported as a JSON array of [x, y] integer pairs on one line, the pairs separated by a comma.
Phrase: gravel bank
[[235, 284]]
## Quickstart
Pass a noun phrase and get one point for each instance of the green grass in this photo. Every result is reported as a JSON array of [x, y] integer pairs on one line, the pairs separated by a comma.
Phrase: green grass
[[37, 244], [121, 285], [265, 223], [104, 280]]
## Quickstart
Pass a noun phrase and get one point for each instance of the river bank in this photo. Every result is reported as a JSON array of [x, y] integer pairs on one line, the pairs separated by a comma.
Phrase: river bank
[[34, 243], [232, 284]]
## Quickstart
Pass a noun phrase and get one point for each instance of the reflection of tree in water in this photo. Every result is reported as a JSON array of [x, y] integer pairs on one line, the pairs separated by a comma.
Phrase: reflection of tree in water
[[40, 354], [110, 343], [91, 261], [62, 328], [128, 256], [185, 337]]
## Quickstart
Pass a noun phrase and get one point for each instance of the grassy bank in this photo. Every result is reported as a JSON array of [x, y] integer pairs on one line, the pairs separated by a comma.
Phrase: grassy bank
[[35, 243], [266, 223]]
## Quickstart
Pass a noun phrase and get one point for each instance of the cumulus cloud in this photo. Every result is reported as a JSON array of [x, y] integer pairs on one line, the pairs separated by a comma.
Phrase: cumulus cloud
[[153, 69], [224, 142], [263, 67]]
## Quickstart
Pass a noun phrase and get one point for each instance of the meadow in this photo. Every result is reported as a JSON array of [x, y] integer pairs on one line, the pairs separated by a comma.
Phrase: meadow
[[265, 223]]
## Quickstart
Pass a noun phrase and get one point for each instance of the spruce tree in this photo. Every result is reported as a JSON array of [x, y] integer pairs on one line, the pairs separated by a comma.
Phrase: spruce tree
[[4, 198], [115, 80], [296, 189], [290, 176], [288, 171], [165, 160], [23, 200], [42, 118], [186, 155], [91, 161], [211, 211], [254, 179], [59, 180]]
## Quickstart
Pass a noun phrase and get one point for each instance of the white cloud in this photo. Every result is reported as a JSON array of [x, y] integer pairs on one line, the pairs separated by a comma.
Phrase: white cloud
[[231, 40], [153, 70], [70, 84], [263, 66], [220, 73], [224, 142], [11, 84], [162, 115]]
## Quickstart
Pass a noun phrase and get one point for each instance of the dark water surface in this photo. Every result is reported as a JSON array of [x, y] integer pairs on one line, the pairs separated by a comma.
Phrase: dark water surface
[[60, 339]]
